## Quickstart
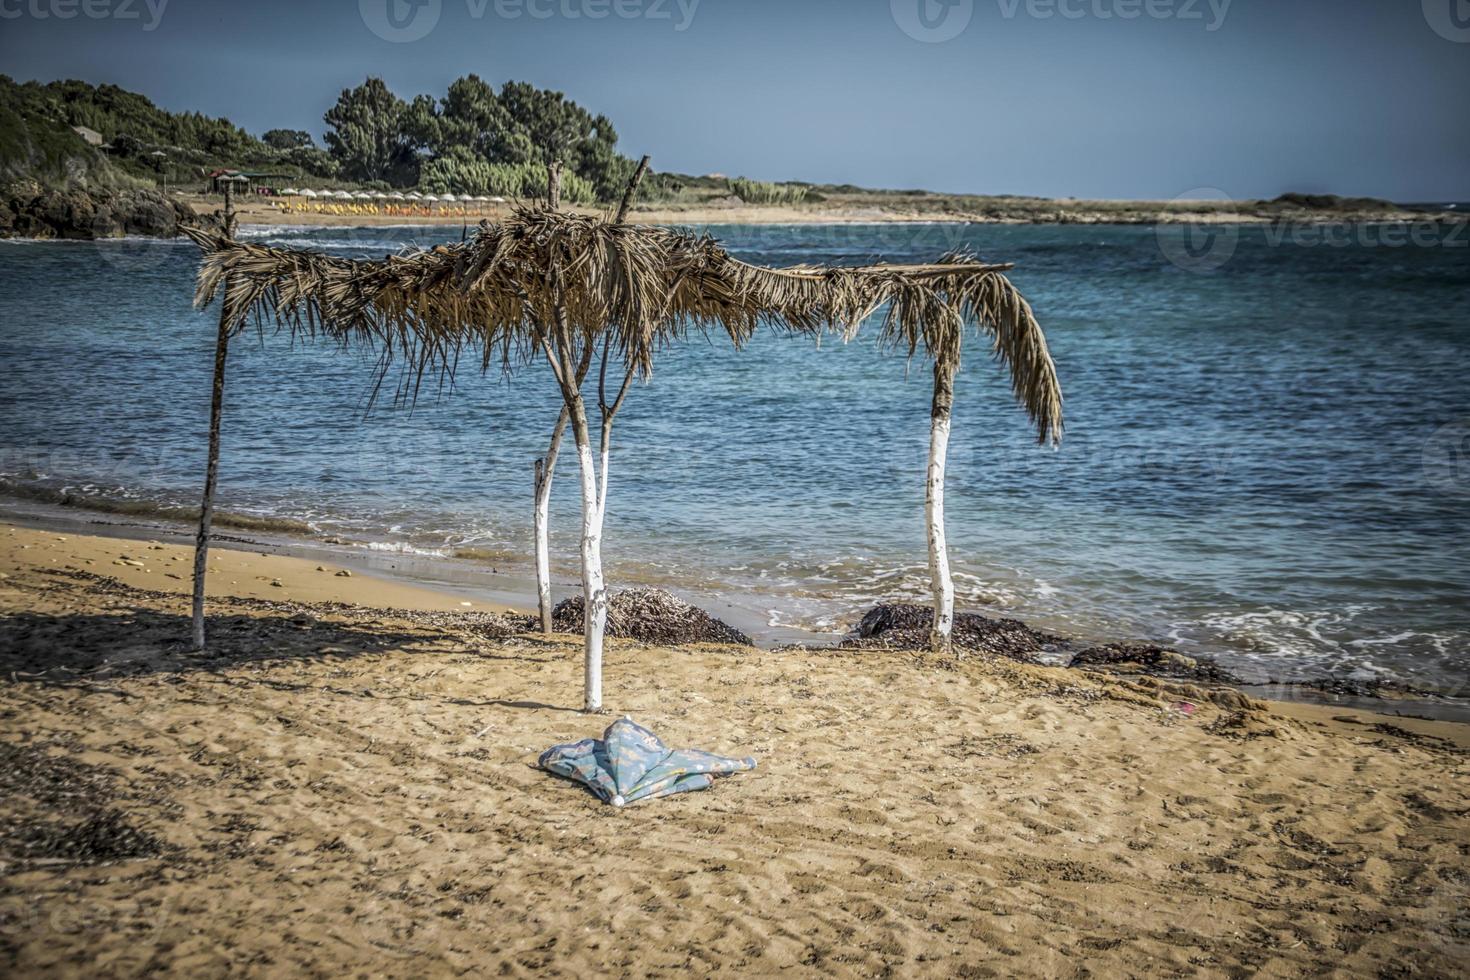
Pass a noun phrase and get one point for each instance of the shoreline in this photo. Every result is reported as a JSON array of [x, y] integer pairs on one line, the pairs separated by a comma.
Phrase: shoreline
[[311, 571], [488, 587], [1001, 211], [845, 209]]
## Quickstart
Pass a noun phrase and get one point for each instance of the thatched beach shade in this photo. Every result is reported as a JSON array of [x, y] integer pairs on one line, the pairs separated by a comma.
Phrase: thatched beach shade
[[573, 289]]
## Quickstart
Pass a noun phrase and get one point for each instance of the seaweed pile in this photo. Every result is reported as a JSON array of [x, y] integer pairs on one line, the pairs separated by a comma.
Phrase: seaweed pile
[[651, 616], [906, 625]]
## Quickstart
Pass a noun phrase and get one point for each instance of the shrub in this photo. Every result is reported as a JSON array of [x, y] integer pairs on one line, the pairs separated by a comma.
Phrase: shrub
[[765, 192]]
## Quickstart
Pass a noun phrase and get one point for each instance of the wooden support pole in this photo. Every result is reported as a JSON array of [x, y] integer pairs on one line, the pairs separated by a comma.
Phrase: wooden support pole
[[553, 185], [211, 469], [632, 191]]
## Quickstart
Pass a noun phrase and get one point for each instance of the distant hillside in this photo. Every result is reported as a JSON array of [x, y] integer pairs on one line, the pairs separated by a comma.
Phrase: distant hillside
[[37, 145], [475, 139], [54, 184]]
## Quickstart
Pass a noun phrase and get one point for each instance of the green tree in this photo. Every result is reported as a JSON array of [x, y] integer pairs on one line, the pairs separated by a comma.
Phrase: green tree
[[287, 139], [555, 125], [367, 135]]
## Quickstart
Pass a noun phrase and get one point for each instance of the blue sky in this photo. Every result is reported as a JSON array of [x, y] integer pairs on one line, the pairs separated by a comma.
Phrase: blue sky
[[1097, 98]]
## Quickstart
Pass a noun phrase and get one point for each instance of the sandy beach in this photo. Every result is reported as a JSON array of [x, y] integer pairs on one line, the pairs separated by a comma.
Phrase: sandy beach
[[867, 208], [340, 789]]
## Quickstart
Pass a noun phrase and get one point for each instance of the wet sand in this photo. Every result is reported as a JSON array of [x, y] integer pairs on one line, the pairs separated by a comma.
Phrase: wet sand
[[335, 789]]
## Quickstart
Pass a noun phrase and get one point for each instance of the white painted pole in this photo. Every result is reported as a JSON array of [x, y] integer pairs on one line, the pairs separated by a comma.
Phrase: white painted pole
[[594, 590], [940, 581], [545, 468]]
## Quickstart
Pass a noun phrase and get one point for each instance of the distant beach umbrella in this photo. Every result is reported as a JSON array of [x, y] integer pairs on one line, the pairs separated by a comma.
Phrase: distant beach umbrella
[[397, 196], [481, 197], [342, 195], [378, 196], [498, 200], [447, 197], [415, 196], [289, 191], [362, 196], [308, 192], [431, 197]]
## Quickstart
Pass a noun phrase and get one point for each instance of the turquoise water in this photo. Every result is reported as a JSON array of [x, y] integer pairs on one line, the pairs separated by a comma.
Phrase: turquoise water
[[1267, 455]]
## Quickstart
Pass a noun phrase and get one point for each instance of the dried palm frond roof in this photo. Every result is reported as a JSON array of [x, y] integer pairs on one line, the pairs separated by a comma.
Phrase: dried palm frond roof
[[544, 277]]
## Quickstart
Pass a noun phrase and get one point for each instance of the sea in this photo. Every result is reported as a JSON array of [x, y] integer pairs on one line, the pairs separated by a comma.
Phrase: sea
[[1266, 457]]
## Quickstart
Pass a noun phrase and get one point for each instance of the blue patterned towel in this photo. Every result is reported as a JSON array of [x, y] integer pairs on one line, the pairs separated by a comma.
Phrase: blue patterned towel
[[629, 764]]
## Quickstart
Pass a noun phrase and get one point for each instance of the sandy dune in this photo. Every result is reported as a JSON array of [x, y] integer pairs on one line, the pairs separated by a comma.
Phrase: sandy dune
[[339, 792]]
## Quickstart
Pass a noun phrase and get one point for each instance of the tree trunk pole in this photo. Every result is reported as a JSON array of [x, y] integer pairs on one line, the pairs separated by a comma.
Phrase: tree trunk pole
[[211, 469], [594, 590], [631, 191], [941, 584], [545, 467]]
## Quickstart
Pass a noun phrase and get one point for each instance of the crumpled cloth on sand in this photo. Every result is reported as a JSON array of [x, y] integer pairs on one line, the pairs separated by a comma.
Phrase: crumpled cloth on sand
[[629, 764]]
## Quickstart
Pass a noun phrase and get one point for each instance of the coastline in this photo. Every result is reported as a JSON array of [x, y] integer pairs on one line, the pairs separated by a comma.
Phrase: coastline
[[859, 208], [334, 788], [281, 569], [886, 210], [452, 579]]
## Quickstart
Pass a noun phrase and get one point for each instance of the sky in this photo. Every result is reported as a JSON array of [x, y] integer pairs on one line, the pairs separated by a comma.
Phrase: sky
[[1084, 98]]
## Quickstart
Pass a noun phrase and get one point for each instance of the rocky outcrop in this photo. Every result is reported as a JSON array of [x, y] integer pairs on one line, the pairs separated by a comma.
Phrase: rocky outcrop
[[906, 625], [1155, 661], [28, 210], [651, 616]]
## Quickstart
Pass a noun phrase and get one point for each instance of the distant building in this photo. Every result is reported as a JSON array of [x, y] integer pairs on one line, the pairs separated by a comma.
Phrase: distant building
[[90, 135]]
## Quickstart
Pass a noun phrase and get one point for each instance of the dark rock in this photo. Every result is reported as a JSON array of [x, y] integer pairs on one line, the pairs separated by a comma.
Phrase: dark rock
[[1140, 658], [906, 625], [27, 210], [651, 616]]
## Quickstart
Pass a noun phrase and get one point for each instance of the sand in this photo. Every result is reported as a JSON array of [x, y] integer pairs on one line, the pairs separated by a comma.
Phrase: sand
[[340, 791], [871, 208]]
